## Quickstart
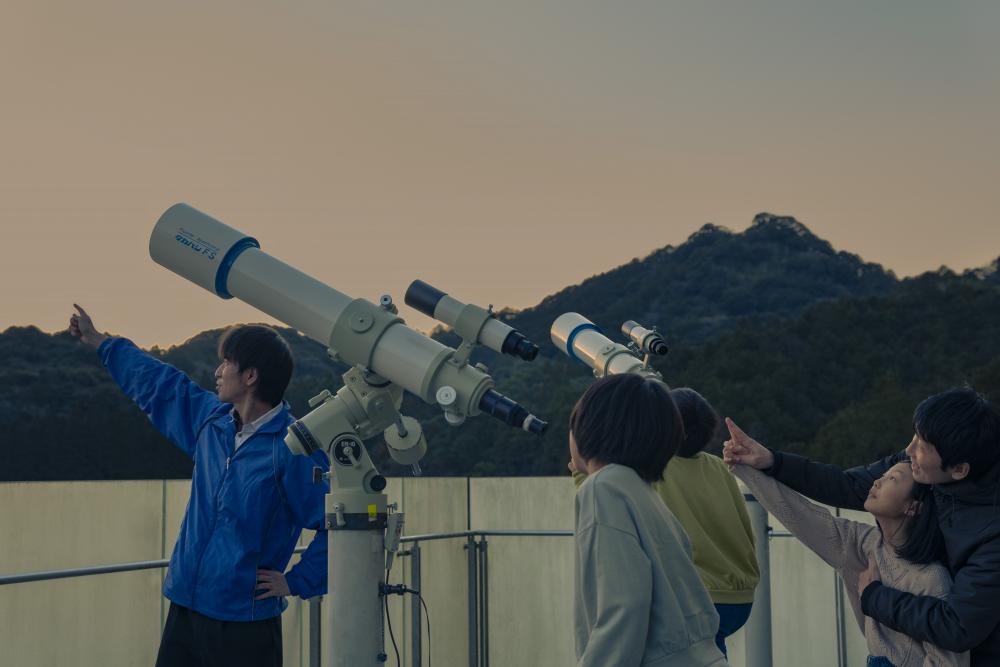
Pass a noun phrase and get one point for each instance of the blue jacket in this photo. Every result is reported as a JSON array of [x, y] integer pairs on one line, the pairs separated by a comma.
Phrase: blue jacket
[[247, 507]]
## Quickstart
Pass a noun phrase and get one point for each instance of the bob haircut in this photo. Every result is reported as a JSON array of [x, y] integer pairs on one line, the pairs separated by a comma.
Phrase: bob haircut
[[925, 542], [628, 420], [261, 347], [963, 426], [700, 419]]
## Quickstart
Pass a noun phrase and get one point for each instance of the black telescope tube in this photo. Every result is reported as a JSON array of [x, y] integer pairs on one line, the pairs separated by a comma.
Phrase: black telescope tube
[[497, 405], [423, 297]]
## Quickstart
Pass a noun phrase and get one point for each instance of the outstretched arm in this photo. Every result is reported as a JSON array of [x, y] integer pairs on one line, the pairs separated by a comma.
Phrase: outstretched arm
[[176, 405], [836, 540], [825, 483], [830, 484]]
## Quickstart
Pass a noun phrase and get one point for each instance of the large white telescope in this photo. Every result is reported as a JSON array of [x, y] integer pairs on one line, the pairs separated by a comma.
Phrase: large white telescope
[[387, 357], [229, 263]]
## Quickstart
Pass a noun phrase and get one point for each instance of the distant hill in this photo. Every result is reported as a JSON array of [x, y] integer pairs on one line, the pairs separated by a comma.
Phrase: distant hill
[[811, 349], [702, 287]]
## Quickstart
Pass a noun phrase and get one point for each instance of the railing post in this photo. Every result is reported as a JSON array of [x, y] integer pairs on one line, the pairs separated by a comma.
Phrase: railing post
[[484, 610], [838, 597], [473, 565], [315, 609], [758, 627], [416, 650]]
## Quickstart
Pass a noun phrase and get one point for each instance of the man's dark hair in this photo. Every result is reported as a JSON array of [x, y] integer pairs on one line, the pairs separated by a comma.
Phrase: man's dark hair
[[924, 542], [260, 347], [629, 420], [963, 426], [700, 419]]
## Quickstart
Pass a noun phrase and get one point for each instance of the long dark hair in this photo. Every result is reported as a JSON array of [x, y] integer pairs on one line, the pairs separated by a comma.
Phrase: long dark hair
[[924, 541]]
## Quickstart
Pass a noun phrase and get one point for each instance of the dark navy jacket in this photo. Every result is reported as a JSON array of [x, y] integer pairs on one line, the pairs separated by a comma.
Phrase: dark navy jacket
[[247, 505], [969, 618]]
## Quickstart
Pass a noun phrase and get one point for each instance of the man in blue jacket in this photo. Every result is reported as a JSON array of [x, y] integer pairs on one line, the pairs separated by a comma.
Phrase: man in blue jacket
[[250, 496], [956, 448]]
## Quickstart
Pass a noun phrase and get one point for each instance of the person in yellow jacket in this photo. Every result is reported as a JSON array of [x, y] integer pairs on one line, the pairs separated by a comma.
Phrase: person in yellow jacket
[[704, 496]]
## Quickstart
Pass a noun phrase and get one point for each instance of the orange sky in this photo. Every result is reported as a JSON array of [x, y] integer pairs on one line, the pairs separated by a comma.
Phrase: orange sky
[[499, 152]]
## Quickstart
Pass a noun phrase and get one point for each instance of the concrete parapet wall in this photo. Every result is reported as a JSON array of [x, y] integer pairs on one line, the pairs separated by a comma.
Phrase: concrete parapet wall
[[115, 619]]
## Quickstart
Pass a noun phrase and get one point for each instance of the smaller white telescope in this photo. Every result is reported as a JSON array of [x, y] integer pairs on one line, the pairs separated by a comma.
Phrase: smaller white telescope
[[582, 340]]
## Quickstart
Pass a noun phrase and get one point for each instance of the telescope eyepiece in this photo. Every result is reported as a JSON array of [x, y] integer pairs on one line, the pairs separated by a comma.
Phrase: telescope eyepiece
[[517, 345], [509, 412], [658, 347], [535, 426]]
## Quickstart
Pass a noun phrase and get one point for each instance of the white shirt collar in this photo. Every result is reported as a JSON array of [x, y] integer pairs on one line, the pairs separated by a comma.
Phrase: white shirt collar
[[249, 429]]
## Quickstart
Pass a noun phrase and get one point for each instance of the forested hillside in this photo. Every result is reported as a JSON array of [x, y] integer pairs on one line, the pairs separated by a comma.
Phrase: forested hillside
[[808, 348]]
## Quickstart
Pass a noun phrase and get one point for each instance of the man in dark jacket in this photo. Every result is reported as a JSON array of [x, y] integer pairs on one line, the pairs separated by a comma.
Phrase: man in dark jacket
[[955, 447], [250, 496]]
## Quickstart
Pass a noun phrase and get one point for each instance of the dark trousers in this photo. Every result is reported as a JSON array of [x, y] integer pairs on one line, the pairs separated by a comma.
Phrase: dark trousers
[[732, 617], [192, 640]]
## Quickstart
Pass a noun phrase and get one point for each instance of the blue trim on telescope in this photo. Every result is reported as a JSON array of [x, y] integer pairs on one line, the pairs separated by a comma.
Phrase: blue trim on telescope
[[222, 275], [572, 334]]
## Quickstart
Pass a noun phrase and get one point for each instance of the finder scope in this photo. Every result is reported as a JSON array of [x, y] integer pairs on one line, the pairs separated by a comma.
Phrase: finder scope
[[469, 321], [648, 341]]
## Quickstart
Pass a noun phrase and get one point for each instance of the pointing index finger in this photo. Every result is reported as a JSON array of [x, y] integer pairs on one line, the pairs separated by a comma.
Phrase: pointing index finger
[[738, 435]]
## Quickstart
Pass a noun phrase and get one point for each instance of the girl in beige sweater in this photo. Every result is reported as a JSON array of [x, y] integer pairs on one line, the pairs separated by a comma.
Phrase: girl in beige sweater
[[906, 546]]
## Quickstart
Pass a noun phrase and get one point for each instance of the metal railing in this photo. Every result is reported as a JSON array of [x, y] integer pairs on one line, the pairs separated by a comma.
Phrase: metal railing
[[476, 546], [758, 628]]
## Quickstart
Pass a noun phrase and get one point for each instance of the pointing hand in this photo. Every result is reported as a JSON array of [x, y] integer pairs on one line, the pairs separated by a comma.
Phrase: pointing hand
[[743, 450], [82, 327]]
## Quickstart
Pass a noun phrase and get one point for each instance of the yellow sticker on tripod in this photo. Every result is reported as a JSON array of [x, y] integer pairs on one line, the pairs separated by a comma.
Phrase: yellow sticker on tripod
[[372, 512]]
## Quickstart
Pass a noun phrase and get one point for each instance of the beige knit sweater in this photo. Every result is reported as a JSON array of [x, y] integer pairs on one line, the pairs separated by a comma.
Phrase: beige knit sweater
[[846, 546]]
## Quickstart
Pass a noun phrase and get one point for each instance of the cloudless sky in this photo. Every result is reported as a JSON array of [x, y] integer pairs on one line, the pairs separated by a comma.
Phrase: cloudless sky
[[499, 151]]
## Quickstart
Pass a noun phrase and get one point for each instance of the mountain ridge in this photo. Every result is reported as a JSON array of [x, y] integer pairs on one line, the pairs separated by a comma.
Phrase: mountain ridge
[[719, 296]]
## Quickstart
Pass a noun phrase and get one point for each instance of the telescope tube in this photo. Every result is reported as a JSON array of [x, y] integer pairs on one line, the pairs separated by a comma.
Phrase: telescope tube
[[231, 264]]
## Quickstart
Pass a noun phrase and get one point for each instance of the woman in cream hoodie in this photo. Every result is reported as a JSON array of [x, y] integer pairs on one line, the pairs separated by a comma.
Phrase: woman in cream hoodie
[[638, 600]]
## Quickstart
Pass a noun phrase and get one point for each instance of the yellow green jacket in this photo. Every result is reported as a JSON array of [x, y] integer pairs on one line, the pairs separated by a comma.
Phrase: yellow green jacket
[[704, 496]]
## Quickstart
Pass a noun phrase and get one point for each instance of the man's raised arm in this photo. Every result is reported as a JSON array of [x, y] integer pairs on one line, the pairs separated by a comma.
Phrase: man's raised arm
[[176, 405]]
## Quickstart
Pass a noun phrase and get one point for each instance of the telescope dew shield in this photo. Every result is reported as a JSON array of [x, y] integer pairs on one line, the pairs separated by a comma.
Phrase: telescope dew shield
[[469, 321], [230, 264], [198, 247]]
